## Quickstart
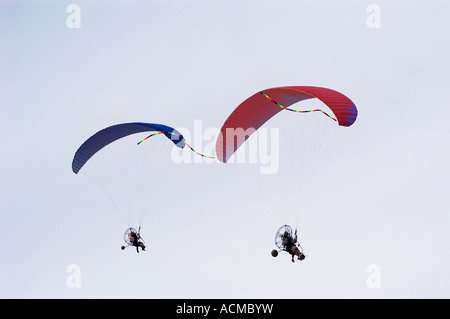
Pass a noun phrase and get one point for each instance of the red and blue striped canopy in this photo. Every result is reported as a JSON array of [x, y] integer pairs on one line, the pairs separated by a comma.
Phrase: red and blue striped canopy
[[251, 114]]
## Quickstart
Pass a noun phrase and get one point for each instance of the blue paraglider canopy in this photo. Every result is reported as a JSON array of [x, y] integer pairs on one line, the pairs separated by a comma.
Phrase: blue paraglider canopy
[[110, 134]]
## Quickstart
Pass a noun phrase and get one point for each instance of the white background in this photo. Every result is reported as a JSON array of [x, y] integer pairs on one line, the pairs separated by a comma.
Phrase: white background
[[173, 62]]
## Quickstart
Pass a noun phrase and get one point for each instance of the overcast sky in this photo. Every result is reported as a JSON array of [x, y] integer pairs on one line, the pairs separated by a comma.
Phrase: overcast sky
[[378, 225]]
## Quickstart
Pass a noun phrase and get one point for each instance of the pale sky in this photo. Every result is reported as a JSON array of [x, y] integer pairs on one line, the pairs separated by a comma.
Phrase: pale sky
[[381, 204]]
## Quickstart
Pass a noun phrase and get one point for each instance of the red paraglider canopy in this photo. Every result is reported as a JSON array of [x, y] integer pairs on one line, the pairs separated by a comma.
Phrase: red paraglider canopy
[[258, 109]]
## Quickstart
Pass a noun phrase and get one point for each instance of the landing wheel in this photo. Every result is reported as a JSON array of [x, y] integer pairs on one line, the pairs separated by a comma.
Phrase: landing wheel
[[274, 253]]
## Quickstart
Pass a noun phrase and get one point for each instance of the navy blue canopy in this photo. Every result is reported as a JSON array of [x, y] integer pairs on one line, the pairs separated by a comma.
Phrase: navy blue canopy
[[110, 134]]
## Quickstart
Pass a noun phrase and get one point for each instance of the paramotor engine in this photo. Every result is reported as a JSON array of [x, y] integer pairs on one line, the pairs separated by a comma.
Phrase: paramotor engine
[[283, 232]]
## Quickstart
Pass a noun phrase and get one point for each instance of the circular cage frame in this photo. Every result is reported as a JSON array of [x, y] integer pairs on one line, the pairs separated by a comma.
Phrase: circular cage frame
[[127, 237], [279, 236]]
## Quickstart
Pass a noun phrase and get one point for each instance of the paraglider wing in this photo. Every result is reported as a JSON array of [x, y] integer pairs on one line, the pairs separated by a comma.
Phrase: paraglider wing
[[251, 114], [110, 134]]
